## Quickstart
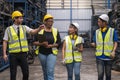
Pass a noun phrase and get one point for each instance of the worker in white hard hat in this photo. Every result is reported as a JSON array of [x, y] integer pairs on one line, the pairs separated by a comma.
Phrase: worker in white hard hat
[[72, 51], [16, 40], [105, 40]]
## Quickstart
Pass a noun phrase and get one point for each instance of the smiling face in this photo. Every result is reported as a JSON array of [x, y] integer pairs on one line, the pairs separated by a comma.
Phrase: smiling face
[[18, 20], [49, 22], [72, 30]]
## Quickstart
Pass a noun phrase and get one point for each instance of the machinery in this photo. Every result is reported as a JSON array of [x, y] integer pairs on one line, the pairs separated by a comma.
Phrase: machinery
[[115, 23]]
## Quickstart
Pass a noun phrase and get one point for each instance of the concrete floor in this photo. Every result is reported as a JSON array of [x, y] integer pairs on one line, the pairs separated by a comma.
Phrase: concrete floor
[[88, 69]]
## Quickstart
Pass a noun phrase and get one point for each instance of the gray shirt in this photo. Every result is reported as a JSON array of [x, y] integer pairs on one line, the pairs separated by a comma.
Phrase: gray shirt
[[15, 27]]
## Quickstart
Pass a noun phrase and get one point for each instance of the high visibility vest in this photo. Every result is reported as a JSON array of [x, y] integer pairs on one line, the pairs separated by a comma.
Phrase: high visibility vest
[[15, 42], [54, 32], [71, 55], [104, 46]]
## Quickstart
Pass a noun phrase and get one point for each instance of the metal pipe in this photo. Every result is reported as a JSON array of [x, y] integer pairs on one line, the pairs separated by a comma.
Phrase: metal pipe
[[108, 4], [70, 11], [49, 4]]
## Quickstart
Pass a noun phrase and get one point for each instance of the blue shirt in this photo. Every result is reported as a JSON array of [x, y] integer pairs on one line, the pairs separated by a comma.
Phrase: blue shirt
[[115, 39]]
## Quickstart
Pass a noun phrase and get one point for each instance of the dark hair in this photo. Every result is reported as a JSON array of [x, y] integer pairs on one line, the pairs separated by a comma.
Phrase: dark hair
[[76, 32], [17, 17], [103, 20], [73, 26]]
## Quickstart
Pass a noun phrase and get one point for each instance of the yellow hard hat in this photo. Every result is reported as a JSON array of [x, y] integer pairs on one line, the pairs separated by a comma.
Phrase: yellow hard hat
[[47, 16], [16, 14]]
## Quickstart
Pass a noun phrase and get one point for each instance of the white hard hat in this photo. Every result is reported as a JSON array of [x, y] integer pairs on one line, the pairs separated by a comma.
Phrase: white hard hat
[[104, 17], [76, 25]]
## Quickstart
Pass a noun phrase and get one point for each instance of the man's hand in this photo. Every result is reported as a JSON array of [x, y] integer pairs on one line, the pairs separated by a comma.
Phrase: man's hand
[[112, 55], [92, 44], [5, 57], [35, 31], [41, 26]]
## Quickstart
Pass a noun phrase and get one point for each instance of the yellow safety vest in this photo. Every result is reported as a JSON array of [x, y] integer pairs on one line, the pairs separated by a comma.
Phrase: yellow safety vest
[[71, 56], [104, 47], [14, 43], [54, 32]]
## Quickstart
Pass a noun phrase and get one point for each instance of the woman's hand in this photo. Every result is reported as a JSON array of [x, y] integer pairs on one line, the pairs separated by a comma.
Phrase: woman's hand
[[63, 61], [37, 43], [45, 44], [52, 45]]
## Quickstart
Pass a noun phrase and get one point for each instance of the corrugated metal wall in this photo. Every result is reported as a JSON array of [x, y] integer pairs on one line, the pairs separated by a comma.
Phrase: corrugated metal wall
[[66, 3], [62, 19], [81, 13]]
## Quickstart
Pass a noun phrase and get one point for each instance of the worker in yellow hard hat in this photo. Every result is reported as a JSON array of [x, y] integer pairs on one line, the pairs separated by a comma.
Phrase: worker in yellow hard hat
[[47, 16], [16, 14], [16, 39], [48, 48]]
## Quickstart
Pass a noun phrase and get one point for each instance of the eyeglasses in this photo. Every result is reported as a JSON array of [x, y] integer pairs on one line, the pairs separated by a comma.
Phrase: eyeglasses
[[50, 21]]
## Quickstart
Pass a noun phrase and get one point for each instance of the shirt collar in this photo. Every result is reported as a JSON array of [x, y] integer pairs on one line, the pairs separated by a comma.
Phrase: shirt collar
[[15, 26]]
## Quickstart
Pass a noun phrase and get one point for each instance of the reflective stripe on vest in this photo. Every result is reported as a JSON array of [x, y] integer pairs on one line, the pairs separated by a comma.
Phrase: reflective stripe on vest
[[69, 53], [108, 42], [54, 32], [14, 44]]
